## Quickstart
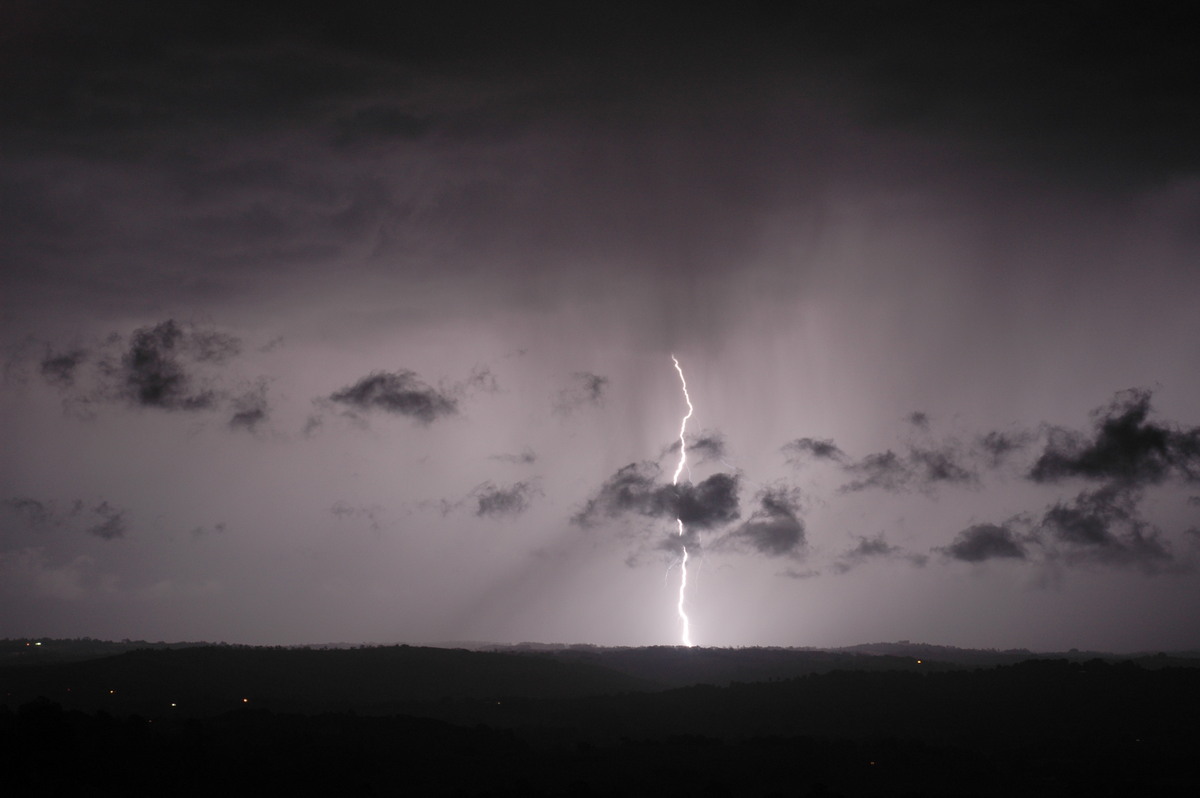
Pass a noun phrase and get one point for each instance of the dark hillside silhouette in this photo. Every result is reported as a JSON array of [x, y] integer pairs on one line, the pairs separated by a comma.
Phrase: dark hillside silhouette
[[401, 720], [212, 679]]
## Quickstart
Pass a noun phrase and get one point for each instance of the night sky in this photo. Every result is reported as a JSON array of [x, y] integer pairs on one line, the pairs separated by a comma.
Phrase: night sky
[[356, 325]]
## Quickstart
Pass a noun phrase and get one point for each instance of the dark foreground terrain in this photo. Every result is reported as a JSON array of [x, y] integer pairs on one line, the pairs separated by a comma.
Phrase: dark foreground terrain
[[665, 721]]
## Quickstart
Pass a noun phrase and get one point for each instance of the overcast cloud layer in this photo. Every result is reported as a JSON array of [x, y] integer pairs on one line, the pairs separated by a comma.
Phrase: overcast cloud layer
[[356, 324]]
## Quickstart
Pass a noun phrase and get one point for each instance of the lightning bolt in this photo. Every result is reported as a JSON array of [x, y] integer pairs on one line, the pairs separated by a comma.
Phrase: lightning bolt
[[687, 634]]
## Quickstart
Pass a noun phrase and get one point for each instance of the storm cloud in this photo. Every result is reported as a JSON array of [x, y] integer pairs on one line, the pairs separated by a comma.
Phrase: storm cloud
[[250, 409], [399, 393], [1125, 446], [112, 522], [34, 512], [983, 542], [169, 366], [702, 448], [775, 528], [998, 447], [154, 373], [495, 501], [526, 456], [1104, 526], [802, 449], [59, 369], [918, 419], [919, 469], [876, 548], [635, 490], [585, 389]]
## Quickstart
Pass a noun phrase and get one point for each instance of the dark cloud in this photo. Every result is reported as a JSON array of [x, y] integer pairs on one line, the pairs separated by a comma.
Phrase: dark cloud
[[886, 470], [1104, 526], [36, 513], [1194, 501], [59, 369], [489, 500], [871, 549], [112, 523], [775, 528], [707, 446], [918, 419], [168, 366], [802, 449], [1124, 446], [399, 392], [481, 379], [250, 409], [939, 465], [108, 522], [807, 573], [1030, 83], [921, 469], [493, 501], [344, 511], [524, 457], [985, 542], [153, 373], [703, 447], [997, 447], [211, 346], [584, 389], [201, 531], [634, 490]]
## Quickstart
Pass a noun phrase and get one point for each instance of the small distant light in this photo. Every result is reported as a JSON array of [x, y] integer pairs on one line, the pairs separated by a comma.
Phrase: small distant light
[[111, 692], [245, 700], [172, 703], [871, 763], [38, 643], [918, 662]]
